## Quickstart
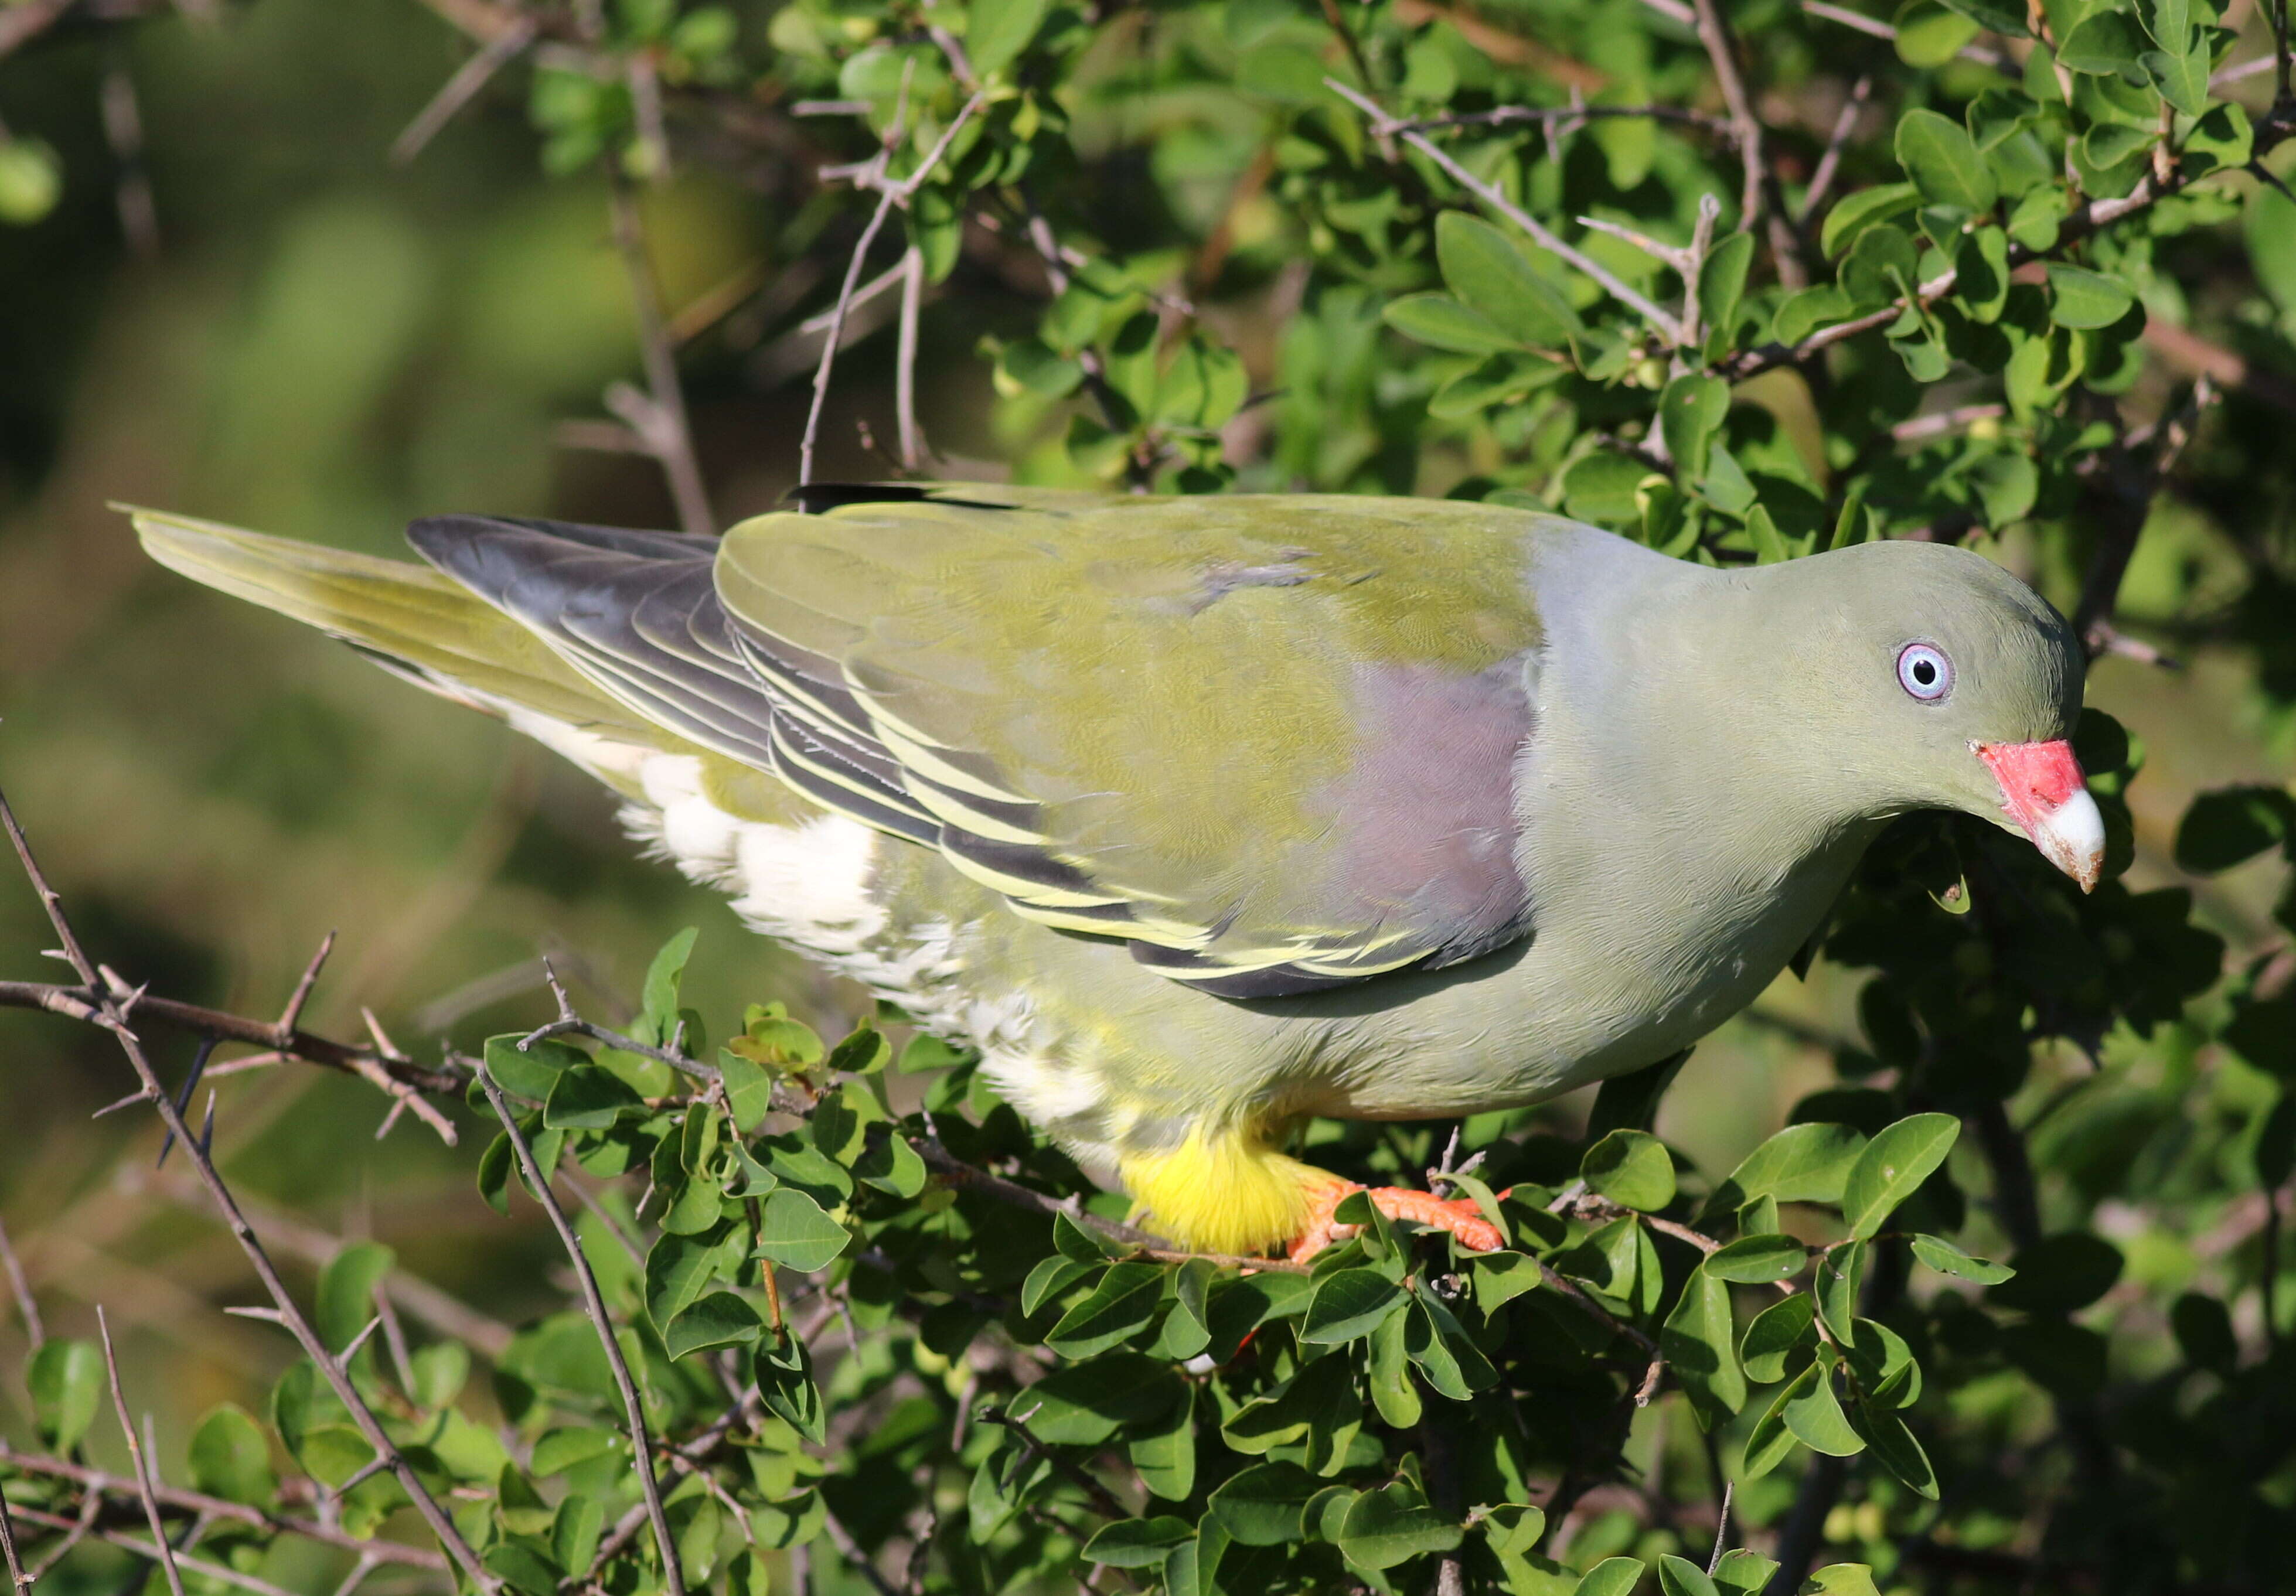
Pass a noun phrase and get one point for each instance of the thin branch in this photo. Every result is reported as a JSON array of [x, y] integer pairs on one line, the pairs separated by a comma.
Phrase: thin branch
[[16, 1575], [1549, 116], [135, 1460], [1945, 421], [1383, 123], [290, 1316], [1759, 198], [662, 422], [855, 1558], [459, 90], [596, 1305], [34, 1331], [1829, 165], [890, 194], [104, 1483], [221, 1572], [905, 366]]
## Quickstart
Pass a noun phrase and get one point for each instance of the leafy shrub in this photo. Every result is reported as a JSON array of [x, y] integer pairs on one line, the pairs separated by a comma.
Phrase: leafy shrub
[[1745, 282]]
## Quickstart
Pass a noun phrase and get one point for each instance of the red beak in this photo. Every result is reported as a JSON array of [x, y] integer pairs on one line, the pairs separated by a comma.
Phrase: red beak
[[2044, 792]]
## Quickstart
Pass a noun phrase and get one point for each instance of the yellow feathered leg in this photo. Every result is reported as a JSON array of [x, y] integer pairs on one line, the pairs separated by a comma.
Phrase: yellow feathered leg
[[1228, 1189]]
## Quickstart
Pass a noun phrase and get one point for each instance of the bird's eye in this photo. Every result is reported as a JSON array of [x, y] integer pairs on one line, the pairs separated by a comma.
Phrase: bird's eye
[[1924, 672]]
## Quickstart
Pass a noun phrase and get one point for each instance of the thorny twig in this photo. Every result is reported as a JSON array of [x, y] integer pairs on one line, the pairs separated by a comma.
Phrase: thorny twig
[[34, 1331], [595, 1304], [459, 90], [905, 366], [872, 174], [113, 1017], [1829, 165], [1385, 125], [78, 1531], [657, 415], [136, 1461], [1760, 197]]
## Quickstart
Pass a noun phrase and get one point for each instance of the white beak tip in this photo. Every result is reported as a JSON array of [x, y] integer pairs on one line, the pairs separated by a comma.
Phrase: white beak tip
[[2072, 836]]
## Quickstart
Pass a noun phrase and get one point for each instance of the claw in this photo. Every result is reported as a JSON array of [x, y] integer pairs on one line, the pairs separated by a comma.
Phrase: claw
[[1460, 1216]]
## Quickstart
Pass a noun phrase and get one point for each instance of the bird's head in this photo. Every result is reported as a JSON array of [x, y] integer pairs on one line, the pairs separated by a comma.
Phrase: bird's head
[[1931, 678]]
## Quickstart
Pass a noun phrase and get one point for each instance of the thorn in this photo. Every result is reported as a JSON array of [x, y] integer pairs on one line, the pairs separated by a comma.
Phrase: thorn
[[267, 1315], [183, 1099], [206, 1130], [382, 1042], [359, 1340], [293, 1011], [375, 1465], [391, 1117], [130, 1101]]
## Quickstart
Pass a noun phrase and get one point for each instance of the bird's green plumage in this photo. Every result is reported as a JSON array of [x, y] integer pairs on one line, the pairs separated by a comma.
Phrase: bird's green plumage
[[1630, 786]]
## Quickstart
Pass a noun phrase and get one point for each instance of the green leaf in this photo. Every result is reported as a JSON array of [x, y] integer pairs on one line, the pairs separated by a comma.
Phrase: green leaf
[[1839, 1277], [1262, 1505], [1050, 1278], [1929, 35], [1770, 1441], [1679, 1577], [1743, 1573], [66, 1378], [1781, 1339], [530, 1073], [1814, 1414], [1489, 275], [1853, 214], [795, 1232], [718, 1319], [1073, 1241], [1841, 1579], [1163, 1453], [1631, 1167], [1758, 1260], [1348, 1305], [1442, 323], [657, 1021], [561, 1449], [2083, 299], [999, 30], [1946, 1258], [1942, 160], [2182, 77], [2004, 17], [1722, 282], [1613, 1576], [892, 1165], [1802, 1163], [1696, 1342], [783, 1371], [344, 1303], [2103, 44], [680, 1267], [231, 1458], [1393, 1524], [2232, 825], [1120, 1305], [1138, 1543], [575, 1530], [1892, 1166], [2060, 1274], [1690, 412], [588, 1098], [749, 1089]]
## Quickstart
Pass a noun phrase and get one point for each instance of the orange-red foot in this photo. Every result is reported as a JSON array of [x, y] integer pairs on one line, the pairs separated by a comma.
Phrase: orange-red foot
[[1460, 1216]]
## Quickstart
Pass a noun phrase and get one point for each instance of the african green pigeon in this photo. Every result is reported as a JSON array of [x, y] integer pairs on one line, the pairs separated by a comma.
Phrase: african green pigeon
[[1200, 816]]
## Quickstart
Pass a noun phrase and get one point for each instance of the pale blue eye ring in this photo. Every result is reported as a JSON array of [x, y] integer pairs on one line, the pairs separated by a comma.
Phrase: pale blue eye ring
[[1924, 672]]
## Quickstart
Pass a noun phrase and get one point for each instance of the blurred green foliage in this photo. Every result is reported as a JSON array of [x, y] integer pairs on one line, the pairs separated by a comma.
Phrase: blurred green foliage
[[2035, 1147]]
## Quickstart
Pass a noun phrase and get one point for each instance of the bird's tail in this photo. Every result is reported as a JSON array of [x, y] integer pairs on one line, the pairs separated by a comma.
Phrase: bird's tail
[[417, 622]]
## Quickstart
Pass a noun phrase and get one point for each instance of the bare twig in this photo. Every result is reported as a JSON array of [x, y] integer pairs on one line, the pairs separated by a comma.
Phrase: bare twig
[[2135, 477], [1383, 123], [1945, 421], [288, 1315], [1549, 116], [34, 1332], [459, 90], [662, 420], [17, 1577], [104, 1483], [595, 1302], [1759, 198], [1829, 165], [855, 1558], [1876, 28], [873, 174], [904, 366], [221, 1572], [135, 1460]]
